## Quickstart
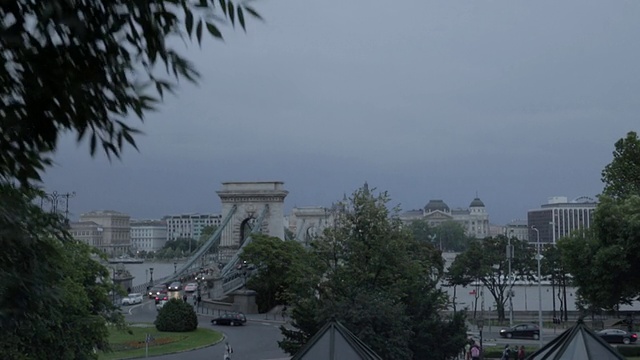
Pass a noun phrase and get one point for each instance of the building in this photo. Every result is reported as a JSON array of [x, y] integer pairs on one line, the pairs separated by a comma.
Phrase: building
[[474, 219], [517, 228], [190, 226], [559, 218], [115, 228], [88, 232], [148, 235]]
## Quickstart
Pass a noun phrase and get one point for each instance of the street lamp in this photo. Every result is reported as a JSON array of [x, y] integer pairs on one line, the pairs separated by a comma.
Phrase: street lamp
[[509, 257], [151, 276], [480, 324], [175, 267], [55, 198], [539, 258]]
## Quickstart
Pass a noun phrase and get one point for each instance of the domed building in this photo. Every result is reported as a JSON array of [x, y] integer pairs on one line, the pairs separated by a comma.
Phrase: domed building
[[474, 219]]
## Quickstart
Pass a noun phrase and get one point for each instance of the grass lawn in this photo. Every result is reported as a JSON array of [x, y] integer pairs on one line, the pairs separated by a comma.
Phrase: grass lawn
[[127, 345]]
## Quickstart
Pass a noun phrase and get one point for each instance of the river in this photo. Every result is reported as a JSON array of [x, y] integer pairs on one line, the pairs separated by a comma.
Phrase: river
[[142, 273]]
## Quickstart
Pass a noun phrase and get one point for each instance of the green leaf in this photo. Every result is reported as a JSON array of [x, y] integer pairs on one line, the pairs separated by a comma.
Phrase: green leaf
[[232, 13], [223, 5], [241, 18], [213, 30], [253, 13], [188, 20], [199, 32]]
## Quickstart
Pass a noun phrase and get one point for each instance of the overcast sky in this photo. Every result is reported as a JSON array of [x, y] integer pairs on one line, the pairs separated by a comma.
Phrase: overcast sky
[[516, 101]]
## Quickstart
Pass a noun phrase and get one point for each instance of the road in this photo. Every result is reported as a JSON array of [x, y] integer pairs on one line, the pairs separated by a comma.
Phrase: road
[[256, 340]]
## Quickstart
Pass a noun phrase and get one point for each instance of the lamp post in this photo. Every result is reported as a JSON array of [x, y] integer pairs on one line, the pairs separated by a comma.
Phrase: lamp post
[[151, 277], [175, 267], [114, 285], [146, 275], [539, 258], [509, 257], [54, 198], [480, 324]]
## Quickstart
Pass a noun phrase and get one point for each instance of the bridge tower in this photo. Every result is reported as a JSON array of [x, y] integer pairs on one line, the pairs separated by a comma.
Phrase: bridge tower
[[249, 199]]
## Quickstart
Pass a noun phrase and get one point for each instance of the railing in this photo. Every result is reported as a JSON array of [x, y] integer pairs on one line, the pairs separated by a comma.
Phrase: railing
[[187, 268], [234, 278]]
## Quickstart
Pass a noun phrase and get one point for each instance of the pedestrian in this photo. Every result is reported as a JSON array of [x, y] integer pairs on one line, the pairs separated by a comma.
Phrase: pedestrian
[[506, 353], [128, 290], [284, 312], [199, 299], [521, 353], [184, 297], [467, 351], [228, 350], [475, 352]]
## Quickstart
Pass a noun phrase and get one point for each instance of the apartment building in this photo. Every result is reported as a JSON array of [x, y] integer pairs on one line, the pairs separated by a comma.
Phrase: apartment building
[[190, 226], [148, 235], [559, 217]]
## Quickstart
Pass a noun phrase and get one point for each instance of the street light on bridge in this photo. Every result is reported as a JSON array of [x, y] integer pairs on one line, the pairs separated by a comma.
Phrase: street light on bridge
[[539, 259], [55, 198], [151, 275]]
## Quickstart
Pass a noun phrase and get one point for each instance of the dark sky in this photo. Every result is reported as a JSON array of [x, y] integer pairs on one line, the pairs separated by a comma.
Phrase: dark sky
[[516, 101]]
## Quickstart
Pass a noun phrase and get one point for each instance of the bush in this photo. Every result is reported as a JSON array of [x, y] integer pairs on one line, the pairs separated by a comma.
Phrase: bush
[[176, 316], [629, 350]]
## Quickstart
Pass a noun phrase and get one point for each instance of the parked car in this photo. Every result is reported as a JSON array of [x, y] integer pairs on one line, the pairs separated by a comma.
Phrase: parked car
[[133, 298], [618, 336], [521, 331], [161, 297], [230, 319], [157, 290], [161, 304], [175, 286], [191, 287]]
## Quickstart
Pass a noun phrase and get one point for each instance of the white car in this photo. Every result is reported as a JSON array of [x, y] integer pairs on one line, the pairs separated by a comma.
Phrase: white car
[[191, 287], [161, 304], [131, 299]]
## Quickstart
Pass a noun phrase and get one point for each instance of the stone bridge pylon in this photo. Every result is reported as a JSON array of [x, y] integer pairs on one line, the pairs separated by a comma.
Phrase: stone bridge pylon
[[250, 199]]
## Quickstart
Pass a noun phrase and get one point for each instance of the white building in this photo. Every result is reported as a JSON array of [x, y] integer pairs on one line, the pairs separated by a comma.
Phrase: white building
[[474, 219], [116, 233], [559, 217], [190, 226], [88, 232], [148, 235]]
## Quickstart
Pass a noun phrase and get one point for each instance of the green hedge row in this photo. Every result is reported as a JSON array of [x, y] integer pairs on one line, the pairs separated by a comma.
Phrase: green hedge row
[[629, 350]]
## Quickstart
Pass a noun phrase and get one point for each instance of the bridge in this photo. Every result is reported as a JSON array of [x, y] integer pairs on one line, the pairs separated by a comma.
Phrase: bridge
[[248, 208]]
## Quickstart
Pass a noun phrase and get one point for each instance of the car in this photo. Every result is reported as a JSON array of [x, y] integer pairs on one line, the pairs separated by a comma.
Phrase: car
[[157, 290], [161, 297], [521, 331], [161, 304], [618, 336], [230, 319], [175, 286], [191, 287], [133, 298]]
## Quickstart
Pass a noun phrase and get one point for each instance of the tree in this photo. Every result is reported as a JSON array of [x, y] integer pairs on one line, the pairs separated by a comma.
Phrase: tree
[[53, 295], [380, 283], [621, 177], [554, 267], [284, 269], [82, 67], [486, 261], [604, 260], [87, 66], [421, 230], [451, 236]]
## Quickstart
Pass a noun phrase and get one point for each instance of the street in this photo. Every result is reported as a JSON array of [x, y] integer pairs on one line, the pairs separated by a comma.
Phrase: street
[[256, 340]]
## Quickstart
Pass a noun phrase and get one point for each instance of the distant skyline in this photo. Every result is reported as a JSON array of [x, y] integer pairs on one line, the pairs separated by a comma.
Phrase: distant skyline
[[514, 101]]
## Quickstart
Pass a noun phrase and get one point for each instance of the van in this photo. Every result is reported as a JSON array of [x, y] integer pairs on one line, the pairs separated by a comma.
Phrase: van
[[133, 298]]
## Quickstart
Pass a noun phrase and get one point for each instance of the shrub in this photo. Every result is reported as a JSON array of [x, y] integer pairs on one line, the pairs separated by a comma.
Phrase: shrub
[[176, 316], [629, 350]]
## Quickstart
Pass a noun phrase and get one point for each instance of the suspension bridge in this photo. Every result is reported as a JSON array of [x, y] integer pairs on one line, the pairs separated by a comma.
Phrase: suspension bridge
[[248, 208]]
